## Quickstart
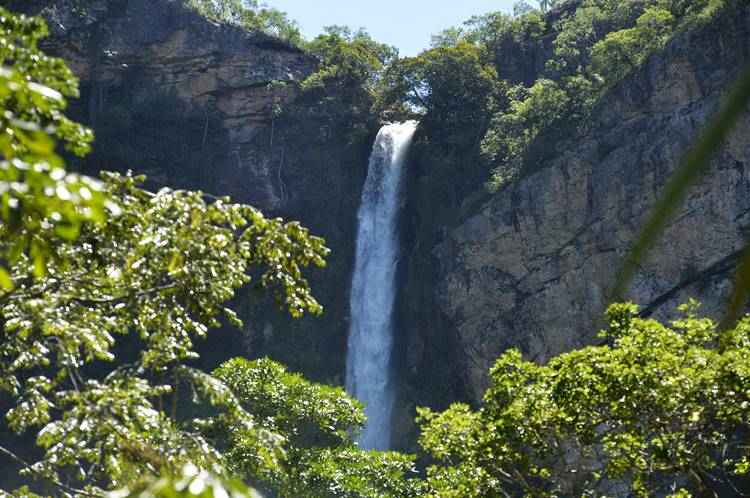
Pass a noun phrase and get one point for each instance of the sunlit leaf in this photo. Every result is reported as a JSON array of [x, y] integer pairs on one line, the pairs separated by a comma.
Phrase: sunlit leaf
[[6, 282]]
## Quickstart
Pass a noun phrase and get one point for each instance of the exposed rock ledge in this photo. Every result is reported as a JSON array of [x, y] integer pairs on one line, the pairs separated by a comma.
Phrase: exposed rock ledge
[[127, 52]]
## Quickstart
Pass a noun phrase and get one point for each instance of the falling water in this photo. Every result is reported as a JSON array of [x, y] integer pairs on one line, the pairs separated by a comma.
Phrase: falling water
[[368, 372]]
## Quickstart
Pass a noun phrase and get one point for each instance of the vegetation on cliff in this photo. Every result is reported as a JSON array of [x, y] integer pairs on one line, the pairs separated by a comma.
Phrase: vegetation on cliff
[[566, 61], [343, 89], [250, 14], [592, 48]]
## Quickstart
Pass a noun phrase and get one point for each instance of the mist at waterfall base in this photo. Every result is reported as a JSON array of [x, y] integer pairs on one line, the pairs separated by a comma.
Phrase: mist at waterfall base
[[368, 362]]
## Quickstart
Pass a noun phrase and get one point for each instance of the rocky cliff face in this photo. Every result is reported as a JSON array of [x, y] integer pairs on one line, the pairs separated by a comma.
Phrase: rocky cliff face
[[176, 95], [198, 104], [533, 266]]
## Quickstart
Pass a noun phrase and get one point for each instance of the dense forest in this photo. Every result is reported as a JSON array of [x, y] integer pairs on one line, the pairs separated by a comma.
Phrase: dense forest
[[108, 287]]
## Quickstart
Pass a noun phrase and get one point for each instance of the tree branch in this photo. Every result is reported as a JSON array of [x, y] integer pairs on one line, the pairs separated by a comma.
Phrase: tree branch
[[118, 299], [55, 482]]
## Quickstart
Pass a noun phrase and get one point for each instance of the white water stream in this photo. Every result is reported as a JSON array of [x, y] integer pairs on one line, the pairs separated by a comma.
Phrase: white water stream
[[368, 363]]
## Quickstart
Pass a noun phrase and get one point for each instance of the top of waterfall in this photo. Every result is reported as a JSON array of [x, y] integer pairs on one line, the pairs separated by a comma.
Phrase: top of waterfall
[[401, 126], [410, 123]]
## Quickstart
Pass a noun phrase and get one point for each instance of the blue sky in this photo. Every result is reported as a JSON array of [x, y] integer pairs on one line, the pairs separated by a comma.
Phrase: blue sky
[[406, 24]]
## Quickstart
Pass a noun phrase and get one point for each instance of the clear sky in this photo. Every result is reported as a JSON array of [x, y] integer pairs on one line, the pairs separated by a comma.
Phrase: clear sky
[[406, 24]]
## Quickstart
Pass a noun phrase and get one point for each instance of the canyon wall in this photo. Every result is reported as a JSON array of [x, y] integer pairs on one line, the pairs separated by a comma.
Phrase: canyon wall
[[204, 105], [532, 267]]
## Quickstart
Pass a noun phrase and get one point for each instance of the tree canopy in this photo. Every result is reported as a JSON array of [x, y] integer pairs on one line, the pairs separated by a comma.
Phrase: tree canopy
[[251, 14], [41, 203], [657, 410], [352, 58], [99, 267], [450, 86], [318, 424]]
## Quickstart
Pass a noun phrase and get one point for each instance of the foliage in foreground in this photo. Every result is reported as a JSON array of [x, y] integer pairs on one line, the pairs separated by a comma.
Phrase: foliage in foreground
[[189, 482], [101, 307], [40, 202], [160, 271], [317, 424], [657, 410]]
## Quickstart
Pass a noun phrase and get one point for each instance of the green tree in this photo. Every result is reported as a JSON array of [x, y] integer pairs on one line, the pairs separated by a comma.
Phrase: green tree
[[251, 14], [494, 32], [349, 59], [657, 409], [521, 8], [316, 422], [546, 5], [99, 314], [575, 36], [530, 112], [189, 482], [622, 51], [162, 270], [337, 100], [451, 86], [40, 203]]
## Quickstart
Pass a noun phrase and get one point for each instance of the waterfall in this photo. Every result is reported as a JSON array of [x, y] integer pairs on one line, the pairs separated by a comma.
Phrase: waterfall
[[368, 369]]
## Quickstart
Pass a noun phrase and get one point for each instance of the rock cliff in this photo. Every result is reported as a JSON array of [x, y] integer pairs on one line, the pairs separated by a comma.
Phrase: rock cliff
[[532, 266], [173, 94], [198, 104]]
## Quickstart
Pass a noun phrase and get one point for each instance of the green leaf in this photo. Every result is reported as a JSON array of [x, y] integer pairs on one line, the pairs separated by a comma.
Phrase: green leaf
[[175, 263], [6, 282], [68, 231]]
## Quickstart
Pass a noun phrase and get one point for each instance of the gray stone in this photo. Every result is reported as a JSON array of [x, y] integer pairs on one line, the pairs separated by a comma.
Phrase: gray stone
[[533, 267]]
